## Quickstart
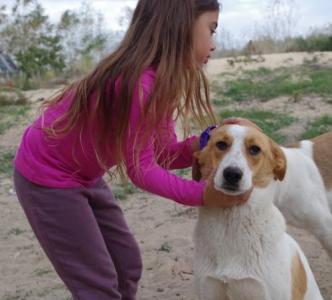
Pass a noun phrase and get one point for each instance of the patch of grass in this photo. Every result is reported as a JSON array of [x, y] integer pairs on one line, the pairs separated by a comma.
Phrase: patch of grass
[[10, 115], [42, 272], [183, 172], [16, 231], [121, 192], [165, 247], [270, 122], [17, 294], [317, 127], [6, 162], [264, 84], [321, 82], [220, 101], [260, 72]]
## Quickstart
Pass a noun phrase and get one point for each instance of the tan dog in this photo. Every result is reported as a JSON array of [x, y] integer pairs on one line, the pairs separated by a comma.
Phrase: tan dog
[[244, 252]]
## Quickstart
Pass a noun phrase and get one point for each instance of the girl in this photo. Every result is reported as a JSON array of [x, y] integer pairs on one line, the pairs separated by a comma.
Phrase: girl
[[118, 115]]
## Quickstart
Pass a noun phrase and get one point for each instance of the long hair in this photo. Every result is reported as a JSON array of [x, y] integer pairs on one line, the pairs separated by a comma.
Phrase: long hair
[[160, 35]]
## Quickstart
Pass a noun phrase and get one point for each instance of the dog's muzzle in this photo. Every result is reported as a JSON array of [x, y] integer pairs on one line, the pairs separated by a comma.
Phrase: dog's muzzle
[[232, 177]]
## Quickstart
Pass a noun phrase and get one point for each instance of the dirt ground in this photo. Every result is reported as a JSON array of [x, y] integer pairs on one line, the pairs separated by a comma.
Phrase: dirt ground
[[162, 228]]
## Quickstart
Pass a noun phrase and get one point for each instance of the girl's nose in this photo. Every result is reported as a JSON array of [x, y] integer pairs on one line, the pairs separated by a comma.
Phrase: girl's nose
[[213, 46]]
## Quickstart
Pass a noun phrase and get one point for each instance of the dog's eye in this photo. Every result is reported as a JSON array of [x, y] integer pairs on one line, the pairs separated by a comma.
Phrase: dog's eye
[[254, 150], [221, 145]]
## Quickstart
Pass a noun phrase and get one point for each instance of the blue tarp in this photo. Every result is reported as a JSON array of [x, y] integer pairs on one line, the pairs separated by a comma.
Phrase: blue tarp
[[7, 66]]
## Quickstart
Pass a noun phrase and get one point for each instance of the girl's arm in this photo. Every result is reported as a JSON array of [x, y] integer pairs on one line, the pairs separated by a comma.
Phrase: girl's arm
[[144, 170], [171, 153], [149, 176]]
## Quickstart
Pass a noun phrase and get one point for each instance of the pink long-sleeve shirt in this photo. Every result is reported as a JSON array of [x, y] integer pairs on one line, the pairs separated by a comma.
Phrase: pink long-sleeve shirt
[[68, 161]]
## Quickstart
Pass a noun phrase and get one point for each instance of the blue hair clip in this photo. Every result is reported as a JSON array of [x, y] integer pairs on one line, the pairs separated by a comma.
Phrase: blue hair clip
[[205, 136]]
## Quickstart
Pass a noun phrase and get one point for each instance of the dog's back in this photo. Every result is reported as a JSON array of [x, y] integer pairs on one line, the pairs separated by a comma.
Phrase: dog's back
[[319, 151], [303, 196]]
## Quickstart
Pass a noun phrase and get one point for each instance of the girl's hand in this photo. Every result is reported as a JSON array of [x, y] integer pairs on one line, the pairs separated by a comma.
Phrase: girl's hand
[[195, 145], [240, 121], [213, 197]]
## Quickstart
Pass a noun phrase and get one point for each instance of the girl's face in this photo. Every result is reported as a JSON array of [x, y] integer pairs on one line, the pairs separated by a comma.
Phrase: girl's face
[[205, 26]]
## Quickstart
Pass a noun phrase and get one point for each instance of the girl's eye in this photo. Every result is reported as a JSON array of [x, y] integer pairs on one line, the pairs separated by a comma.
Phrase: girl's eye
[[221, 145], [254, 150], [213, 31]]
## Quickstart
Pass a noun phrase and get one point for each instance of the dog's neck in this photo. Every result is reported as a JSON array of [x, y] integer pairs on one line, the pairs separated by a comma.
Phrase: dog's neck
[[246, 231]]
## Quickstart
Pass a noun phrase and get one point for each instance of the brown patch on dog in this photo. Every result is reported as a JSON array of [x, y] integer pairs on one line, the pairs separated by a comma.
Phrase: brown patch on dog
[[299, 279], [293, 145], [280, 161], [208, 159], [196, 168], [271, 162], [261, 164], [322, 152]]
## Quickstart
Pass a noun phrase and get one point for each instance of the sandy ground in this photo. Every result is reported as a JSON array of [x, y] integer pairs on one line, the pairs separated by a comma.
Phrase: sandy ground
[[270, 61], [162, 228]]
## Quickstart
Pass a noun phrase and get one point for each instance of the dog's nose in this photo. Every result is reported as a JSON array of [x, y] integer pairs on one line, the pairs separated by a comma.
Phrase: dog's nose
[[232, 175]]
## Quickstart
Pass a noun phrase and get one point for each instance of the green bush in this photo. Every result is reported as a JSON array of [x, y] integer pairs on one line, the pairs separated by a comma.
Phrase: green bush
[[316, 42]]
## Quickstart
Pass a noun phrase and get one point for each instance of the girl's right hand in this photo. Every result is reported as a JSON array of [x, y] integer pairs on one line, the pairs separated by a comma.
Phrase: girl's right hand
[[213, 197]]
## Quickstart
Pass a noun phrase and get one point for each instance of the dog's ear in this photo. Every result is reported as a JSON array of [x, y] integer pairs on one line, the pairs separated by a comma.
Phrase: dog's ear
[[196, 169], [279, 161], [203, 165]]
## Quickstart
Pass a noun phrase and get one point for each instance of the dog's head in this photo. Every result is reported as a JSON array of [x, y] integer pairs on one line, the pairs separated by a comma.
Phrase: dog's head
[[239, 158]]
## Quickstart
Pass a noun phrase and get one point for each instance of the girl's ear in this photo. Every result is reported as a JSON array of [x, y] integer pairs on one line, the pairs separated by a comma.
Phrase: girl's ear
[[196, 169], [279, 161]]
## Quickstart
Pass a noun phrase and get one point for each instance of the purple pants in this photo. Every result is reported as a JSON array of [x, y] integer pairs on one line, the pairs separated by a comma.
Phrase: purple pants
[[85, 236]]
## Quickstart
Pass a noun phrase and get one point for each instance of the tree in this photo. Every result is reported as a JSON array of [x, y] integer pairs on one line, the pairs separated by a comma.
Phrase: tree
[[29, 36], [82, 35], [281, 18], [126, 17], [3, 15], [37, 59]]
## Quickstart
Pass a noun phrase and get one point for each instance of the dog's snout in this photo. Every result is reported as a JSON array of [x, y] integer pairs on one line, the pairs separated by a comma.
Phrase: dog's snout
[[232, 175]]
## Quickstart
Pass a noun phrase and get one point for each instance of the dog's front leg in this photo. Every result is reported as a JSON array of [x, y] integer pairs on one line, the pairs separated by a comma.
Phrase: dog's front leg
[[246, 289], [211, 289]]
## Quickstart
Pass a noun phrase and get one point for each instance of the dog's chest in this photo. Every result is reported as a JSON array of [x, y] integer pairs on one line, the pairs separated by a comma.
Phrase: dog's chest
[[239, 241]]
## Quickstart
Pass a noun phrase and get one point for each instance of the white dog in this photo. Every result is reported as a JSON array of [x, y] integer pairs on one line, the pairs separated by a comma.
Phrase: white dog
[[305, 196], [244, 252]]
